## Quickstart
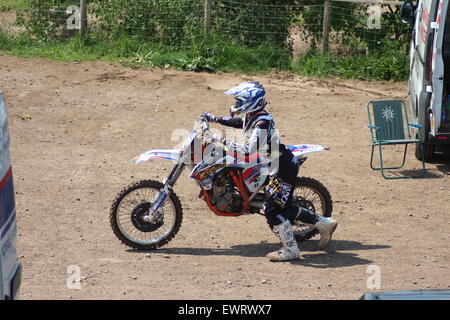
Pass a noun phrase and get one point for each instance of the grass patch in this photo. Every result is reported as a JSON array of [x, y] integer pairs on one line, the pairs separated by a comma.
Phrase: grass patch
[[391, 64], [9, 5], [212, 55], [203, 55]]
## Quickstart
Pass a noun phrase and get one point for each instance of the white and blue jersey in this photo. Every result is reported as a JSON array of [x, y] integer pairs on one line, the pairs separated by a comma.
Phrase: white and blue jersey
[[260, 132]]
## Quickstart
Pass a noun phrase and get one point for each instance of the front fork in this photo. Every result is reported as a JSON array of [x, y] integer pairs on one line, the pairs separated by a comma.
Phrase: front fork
[[154, 213]]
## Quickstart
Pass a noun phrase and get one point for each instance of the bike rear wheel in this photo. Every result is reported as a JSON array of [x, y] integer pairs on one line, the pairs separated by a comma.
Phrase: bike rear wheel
[[314, 196], [132, 204]]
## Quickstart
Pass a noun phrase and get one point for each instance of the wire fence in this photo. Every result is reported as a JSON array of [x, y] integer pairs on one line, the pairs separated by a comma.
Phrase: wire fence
[[340, 26]]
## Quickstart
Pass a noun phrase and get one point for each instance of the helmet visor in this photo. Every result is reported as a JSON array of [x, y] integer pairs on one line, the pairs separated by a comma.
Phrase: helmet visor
[[236, 107]]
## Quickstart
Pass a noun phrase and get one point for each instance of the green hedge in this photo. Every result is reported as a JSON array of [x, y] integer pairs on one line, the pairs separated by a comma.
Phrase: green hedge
[[246, 36]]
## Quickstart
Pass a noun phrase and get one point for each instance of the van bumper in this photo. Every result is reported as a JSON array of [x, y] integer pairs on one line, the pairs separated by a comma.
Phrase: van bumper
[[441, 138]]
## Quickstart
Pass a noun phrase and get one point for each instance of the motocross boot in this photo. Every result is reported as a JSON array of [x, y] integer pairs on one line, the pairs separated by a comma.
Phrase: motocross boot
[[326, 227], [290, 250]]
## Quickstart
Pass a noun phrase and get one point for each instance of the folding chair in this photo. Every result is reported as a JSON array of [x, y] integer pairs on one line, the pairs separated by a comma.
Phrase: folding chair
[[388, 128]]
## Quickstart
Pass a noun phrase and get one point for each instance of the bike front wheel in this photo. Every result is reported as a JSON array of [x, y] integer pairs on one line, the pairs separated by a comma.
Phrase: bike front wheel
[[130, 207]]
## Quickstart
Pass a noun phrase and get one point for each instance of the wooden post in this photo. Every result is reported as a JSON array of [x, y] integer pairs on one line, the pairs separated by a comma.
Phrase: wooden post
[[208, 6], [326, 26], [83, 17]]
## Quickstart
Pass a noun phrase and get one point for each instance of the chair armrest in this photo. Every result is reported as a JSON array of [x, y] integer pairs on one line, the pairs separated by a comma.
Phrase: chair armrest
[[374, 127], [414, 125]]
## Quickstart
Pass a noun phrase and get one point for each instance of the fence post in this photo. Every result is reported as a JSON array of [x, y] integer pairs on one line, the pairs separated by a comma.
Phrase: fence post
[[83, 17], [326, 26], [208, 6]]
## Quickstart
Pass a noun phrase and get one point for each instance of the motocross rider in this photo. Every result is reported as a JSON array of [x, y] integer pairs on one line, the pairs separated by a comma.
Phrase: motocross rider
[[259, 130]]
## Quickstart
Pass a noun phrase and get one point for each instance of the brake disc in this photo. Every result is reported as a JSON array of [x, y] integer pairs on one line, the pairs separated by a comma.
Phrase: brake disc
[[138, 214], [306, 204]]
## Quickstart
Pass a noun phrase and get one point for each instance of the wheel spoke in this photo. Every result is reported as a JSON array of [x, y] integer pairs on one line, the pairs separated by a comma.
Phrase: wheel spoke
[[131, 209], [309, 196]]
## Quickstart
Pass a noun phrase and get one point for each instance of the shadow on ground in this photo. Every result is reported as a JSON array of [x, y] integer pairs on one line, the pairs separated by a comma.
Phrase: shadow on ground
[[330, 258], [441, 161]]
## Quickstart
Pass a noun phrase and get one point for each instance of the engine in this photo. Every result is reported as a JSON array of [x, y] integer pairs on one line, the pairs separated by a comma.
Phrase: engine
[[225, 196]]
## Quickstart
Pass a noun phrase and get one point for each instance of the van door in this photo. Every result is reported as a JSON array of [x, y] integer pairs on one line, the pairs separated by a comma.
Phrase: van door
[[10, 268], [419, 80], [421, 73], [438, 68]]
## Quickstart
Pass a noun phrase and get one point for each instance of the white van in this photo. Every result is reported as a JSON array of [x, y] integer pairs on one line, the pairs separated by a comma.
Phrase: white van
[[429, 80], [10, 268]]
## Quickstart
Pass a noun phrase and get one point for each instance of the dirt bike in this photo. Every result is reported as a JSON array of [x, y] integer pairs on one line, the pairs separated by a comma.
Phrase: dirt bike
[[148, 214]]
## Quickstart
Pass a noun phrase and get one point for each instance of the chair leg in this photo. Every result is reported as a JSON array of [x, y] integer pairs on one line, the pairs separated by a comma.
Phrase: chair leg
[[404, 157], [382, 168], [371, 159], [381, 165]]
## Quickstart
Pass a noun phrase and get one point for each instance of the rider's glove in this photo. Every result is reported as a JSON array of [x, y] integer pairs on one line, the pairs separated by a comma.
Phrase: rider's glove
[[209, 117]]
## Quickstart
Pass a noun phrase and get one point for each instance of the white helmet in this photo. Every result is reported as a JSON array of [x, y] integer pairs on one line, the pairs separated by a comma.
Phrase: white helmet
[[250, 97]]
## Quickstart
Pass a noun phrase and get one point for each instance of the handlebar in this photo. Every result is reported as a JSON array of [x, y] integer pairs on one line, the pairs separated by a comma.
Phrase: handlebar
[[205, 125]]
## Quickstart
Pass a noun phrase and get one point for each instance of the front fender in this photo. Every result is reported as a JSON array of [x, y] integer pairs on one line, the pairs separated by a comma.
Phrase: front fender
[[165, 154], [299, 150]]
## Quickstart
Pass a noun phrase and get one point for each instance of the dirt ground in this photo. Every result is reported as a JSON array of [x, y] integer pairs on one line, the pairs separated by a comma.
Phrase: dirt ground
[[75, 127]]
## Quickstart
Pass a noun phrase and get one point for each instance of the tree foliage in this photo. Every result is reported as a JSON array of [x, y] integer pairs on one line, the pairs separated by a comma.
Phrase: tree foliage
[[170, 22], [254, 22], [44, 19], [355, 27]]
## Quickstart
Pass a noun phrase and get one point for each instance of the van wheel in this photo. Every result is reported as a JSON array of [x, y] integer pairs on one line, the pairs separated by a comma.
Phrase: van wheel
[[425, 150]]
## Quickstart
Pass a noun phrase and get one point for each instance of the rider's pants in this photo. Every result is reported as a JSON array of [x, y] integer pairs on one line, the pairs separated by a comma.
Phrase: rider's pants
[[280, 189]]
